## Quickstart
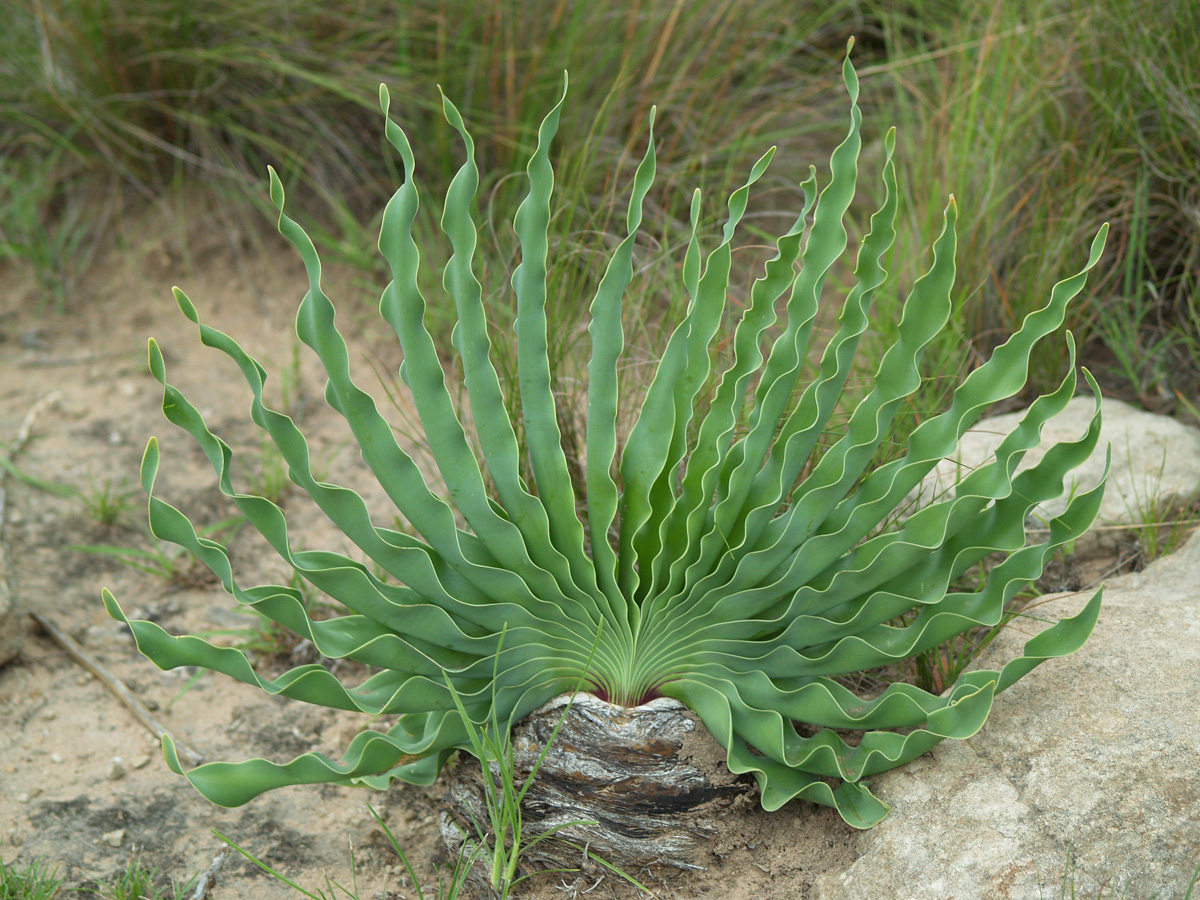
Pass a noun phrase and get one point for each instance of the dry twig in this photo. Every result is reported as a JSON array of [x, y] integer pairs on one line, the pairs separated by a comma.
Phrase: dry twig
[[209, 878], [112, 682]]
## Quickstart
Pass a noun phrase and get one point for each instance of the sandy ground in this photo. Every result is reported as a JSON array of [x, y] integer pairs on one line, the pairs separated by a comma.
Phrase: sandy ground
[[62, 796]]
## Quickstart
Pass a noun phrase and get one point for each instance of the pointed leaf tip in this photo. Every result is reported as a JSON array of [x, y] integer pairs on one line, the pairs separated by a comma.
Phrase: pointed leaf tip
[[277, 194], [385, 98], [170, 755], [110, 604], [150, 457], [158, 368], [849, 44], [185, 305]]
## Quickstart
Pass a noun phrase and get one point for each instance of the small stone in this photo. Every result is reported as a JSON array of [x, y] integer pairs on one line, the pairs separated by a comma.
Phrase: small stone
[[16, 839], [9, 768], [49, 714], [140, 762], [23, 797], [116, 769], [56, 757], [114, 838], [84, 678]]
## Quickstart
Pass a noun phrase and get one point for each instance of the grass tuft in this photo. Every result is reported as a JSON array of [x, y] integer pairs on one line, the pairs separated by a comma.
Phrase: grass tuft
[[32, 881]]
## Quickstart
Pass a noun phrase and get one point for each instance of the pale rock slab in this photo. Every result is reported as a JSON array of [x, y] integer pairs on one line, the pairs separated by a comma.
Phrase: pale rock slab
[[1092, 758], [12, 623], [1152, 457]]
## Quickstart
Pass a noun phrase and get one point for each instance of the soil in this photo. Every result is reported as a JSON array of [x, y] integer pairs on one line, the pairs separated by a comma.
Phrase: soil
[[62, 797]]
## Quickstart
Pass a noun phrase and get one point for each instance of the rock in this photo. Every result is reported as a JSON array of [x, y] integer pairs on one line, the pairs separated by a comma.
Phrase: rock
[[116, 769], [114, 838], [12, 623], [1153, 457], [1087, 763]]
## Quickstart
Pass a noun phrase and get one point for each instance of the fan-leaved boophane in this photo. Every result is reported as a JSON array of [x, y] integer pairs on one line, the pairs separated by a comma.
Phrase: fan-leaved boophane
[[719, 561]]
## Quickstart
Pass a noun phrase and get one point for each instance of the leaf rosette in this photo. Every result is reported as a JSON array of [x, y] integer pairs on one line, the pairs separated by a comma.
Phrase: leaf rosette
[[721, 559]]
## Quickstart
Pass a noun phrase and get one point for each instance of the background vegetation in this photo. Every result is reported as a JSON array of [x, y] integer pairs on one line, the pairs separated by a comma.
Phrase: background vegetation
[[1043, 117]]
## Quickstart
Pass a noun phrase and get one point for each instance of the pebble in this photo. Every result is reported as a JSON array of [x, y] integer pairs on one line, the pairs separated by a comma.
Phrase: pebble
[[49, 714], [140, 762], [16, 839], [56, 757], [114, 838], [116, 769]]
